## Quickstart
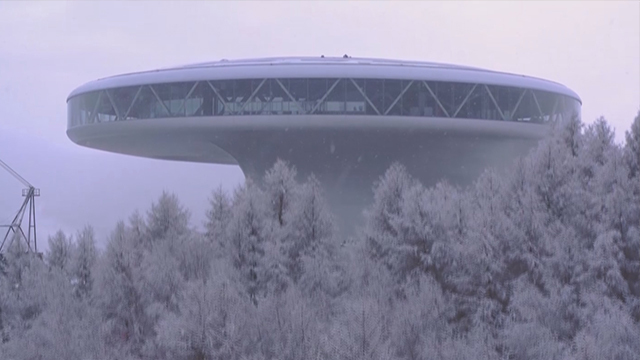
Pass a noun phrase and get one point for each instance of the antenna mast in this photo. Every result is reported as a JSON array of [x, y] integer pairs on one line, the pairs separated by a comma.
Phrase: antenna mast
[[14, 229]]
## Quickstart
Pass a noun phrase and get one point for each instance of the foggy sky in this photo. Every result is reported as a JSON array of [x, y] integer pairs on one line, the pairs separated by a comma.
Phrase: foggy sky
[[49, 48]]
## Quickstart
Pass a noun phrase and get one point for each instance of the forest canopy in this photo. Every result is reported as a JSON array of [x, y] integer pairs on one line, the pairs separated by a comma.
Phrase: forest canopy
[[541, 261]]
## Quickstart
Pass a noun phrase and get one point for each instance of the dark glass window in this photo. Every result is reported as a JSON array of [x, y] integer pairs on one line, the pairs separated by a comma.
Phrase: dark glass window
[[328, 96], [374, 89]]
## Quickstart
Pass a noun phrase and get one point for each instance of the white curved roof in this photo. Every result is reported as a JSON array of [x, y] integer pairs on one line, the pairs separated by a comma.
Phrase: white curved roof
[[324, 67]]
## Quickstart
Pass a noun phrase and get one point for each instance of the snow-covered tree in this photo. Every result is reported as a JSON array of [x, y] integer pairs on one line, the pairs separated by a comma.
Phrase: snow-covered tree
[[84, 261], [632, 148], [609, 334], [160, 281], [598, 141], [280, 191], [218, 217], [248, 239], [540, 261], [419, 324], [360, 332], [14, 262], [477, 344], [310, 228], [382, 218], [167, 217], [286, 326], [211, 324], [570, 134], [552, 168], [196, 257], [119, 297], [22, 300], [59, 255], [64, 328], [311, 222], [139, 233]]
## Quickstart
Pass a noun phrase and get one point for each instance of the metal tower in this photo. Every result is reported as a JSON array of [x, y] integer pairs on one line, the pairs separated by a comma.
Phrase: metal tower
[[15, 229]]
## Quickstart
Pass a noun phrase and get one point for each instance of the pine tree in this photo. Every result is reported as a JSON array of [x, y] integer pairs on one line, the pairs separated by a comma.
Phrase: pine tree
[[120, 299], [21, 300], [382, 218], [84, 262], [218, 217], [632, 148], [310, 230], [248, 237], [609, 334], [64, 328], [210, 324], [419, 323], [59, 255], [167, 217], [631, 156], [280, 191], [361, 331], [160, 281], [139, 233]]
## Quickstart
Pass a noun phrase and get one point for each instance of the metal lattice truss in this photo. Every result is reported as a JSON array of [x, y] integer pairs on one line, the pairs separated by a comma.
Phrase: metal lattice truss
[[15, 229], [342, 96]]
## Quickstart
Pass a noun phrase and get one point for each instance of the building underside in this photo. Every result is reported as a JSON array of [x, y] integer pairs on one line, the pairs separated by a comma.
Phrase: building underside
[[346, 131], [346, 154]]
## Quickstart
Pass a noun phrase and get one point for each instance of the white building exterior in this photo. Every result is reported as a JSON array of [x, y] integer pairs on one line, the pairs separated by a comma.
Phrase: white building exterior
[[343, 119]]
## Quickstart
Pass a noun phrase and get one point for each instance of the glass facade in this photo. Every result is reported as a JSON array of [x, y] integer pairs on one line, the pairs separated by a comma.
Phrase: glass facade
[[320, 96]]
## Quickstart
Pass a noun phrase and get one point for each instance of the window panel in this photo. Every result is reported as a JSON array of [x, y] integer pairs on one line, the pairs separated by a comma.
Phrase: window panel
[[123, 99], [472, 103], [146, 106], [173, 96], [461, 95], [261, 98], [392, 90], [200, 101], [298, 88], [445, 93], [105, 111], [317, 89], [483, 105], [547, 102], [82, 107], [374, 89], [242, 90], [355, 102], [281, 103], [226, 91], [409, 103], [526, 109], [329, 96], [334, 102], [501, 96]]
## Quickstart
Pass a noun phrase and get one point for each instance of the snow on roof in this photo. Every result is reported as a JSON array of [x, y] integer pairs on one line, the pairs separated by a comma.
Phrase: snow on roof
[[324, 67]]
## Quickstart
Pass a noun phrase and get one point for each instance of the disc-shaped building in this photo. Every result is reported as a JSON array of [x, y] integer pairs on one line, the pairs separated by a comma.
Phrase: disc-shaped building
[[344, 119]]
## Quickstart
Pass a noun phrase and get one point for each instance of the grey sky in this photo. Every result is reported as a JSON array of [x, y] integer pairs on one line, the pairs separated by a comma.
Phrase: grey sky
[[49, 48]]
